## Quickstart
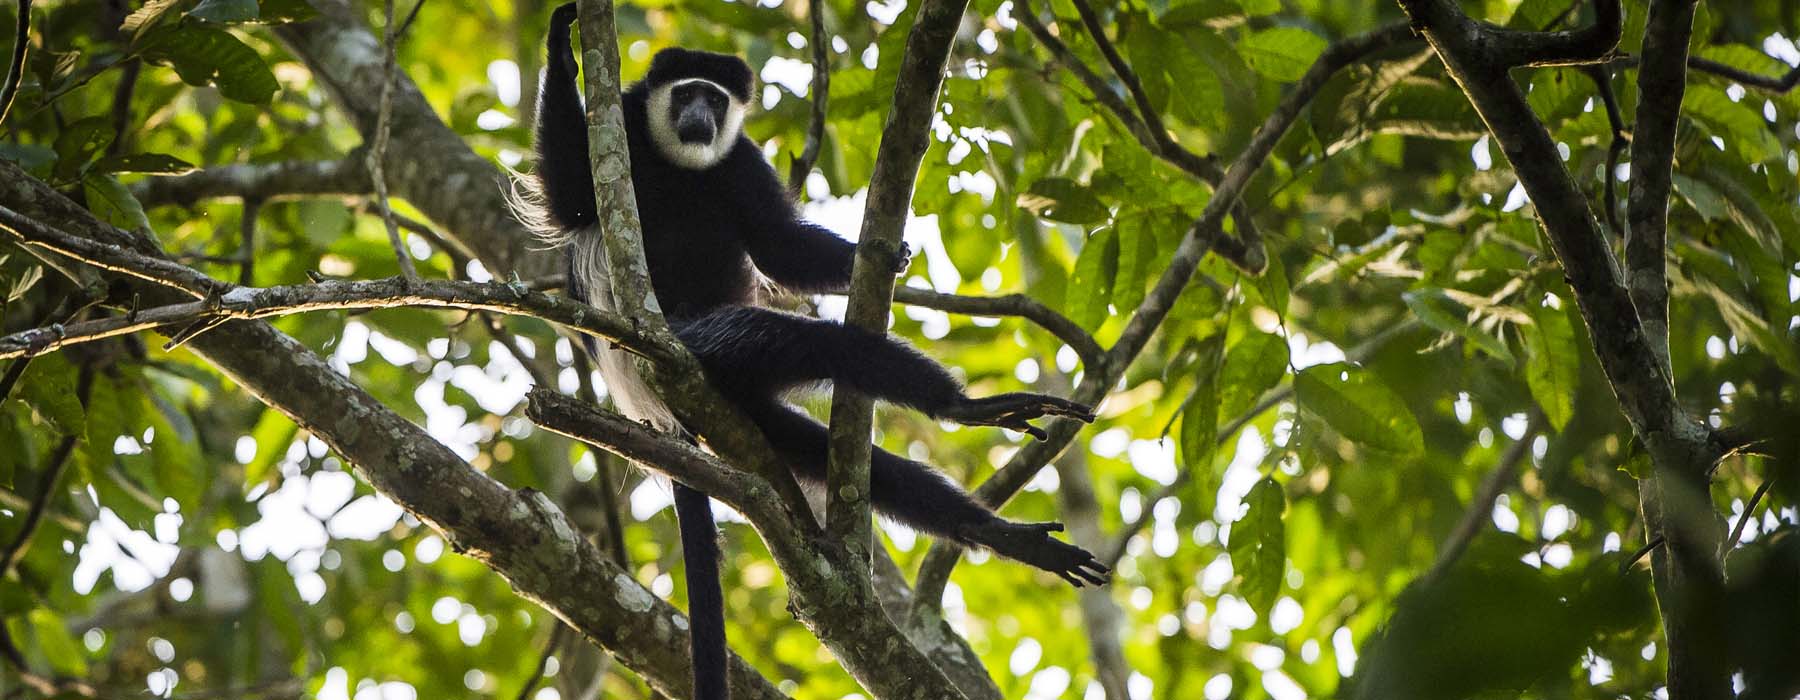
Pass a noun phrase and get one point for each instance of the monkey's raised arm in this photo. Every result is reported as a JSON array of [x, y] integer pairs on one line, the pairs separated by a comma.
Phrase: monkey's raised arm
[[798, 254], [562, 143]]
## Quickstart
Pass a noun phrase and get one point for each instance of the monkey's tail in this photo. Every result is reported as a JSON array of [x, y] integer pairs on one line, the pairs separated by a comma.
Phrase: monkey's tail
[[706, 602]]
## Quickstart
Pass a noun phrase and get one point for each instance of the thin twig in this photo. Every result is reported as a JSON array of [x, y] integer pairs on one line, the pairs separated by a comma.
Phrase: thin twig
[[378, 151], [400, 34], [821, 93], [1602, 77], [1481, 506], [558, 632], [121, 107], [15, 73], [1018, 305], [1737, 531]]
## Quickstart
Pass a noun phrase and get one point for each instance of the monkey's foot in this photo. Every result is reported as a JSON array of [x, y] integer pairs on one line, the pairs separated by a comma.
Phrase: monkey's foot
[[1011, 411], [1032, 544]]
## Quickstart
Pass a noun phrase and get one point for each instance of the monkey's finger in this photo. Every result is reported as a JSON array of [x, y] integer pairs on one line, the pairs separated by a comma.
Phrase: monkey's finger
[[1034, 431]]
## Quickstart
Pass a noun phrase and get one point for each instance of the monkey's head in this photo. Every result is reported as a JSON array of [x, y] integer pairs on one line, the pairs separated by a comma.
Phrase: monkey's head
[[697, 104]]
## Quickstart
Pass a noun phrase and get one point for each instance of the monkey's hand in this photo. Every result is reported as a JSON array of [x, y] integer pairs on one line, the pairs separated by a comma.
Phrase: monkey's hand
[[1012, 411], [897, 262], [1032, 544], [560, 20]]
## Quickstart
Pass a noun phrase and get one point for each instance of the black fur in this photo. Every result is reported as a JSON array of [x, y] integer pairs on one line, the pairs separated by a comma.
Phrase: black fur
[[706, 235]]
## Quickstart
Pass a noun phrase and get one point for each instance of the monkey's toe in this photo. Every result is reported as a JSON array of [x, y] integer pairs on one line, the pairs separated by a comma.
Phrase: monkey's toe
[[1012, 411]]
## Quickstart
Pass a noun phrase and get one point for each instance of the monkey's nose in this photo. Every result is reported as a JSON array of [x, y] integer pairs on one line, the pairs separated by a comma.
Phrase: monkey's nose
[[694, 131]]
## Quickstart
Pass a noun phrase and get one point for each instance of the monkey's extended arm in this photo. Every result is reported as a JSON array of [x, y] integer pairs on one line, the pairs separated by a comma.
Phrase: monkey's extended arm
[[798, 254]]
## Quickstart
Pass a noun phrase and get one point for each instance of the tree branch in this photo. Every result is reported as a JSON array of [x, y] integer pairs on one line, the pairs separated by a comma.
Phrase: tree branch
[[1246, 250], [15, 71], [904, 140], [259, 181], [429, 165], [934, 572], [1018, 305], [1481, 505], [1662, 80], [1511, 48], [384, 113], [1674, 501]]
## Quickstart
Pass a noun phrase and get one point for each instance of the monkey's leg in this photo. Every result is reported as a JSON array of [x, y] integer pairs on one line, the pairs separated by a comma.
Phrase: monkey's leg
[[749, 351], [706, 601], [924, 499]]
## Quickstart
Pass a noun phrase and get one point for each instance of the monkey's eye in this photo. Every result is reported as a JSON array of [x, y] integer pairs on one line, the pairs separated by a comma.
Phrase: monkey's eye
[[716, 100]]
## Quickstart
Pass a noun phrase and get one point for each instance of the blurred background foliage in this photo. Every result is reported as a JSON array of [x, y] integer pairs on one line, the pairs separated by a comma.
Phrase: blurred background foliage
[[202, 544]]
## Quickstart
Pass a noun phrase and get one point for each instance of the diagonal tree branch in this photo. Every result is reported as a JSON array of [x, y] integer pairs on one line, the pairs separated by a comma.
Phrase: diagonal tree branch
[[1020, 305], [934, 572], [1245, 250]]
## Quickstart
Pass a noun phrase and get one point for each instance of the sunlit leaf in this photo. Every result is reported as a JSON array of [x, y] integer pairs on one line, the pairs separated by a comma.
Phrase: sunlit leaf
[[1356, 404]]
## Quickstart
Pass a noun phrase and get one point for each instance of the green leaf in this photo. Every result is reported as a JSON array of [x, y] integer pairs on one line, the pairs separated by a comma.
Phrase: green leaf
[[1062, 199], [1705, 200], [48, 389], [1252, 366], [152, 163], [1552, 363], [179, 469], [1282, 53], [77, 145], [1258, 546], [1090, 286], [1137, 250], [1742, 128], [112, 202], [1199, 439], [146, 17], [1357, 405], [207, 55], [56, 643], [1438, 310], [225, 11]]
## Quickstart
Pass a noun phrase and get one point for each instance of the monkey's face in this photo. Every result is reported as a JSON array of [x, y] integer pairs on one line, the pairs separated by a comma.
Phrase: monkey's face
[[694, 122]]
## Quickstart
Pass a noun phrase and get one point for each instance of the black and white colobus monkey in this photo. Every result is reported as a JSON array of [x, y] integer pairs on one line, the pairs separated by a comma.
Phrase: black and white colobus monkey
[[714, 214]]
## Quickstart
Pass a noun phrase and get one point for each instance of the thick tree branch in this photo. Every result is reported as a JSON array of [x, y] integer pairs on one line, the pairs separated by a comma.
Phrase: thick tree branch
[[517, 533], [1662, 80], [934, 572], [903, 143], [429, 165], [1674, 500]]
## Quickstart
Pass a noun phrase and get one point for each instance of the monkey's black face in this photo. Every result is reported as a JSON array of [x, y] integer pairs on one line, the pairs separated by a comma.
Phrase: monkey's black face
[[698, 110]]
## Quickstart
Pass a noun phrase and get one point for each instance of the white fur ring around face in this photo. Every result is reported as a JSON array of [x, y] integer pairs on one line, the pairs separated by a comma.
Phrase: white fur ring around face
[[693, 156]]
